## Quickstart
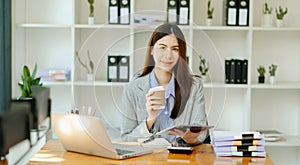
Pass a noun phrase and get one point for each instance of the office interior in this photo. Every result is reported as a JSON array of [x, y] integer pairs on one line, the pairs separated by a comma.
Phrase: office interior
[[50, 33]]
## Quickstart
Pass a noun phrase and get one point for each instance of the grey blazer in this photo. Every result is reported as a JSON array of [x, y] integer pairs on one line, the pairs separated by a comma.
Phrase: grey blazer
[[134, 111]]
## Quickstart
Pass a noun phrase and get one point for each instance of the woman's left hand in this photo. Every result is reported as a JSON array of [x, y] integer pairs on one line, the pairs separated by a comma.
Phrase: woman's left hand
[[188, 136]]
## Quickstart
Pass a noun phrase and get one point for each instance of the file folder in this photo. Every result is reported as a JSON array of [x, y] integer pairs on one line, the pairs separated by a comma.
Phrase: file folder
[[113, 12], [227, 71], [243, 13], [124, 12], [184, 12], [123, 69], [172, 11], [231, 12], [245, 72], [232, 72], [238, 71], [112, 68]]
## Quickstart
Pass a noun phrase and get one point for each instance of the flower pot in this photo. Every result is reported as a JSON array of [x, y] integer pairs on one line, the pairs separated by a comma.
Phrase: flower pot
[[203, 78], [91, 20], [267, 20], [261, 79], [90, 77], [208, 21], [272, 80], [279, 23]]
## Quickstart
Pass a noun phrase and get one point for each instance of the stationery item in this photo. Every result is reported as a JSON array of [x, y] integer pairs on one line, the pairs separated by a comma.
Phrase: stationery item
[[239, 148], [180, 150], [123, 69], [244, 71], [232, 71], [184, 12], [243, 14], [113, 12], [112, 68], [87, 134], [232, 135], [231, 12], [172, 11], [154, 142], [227, 71], [247, 153], [248, 142], [238, 71], [124, 12]]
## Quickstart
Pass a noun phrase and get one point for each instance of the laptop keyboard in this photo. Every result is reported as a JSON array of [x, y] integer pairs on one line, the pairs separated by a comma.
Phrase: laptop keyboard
[[122, 152]]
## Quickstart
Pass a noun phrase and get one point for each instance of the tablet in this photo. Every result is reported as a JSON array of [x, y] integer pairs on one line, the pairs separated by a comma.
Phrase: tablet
[[193, 128]]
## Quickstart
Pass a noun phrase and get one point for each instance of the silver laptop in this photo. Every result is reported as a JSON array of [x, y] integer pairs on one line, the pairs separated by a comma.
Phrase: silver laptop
[[86, 134]]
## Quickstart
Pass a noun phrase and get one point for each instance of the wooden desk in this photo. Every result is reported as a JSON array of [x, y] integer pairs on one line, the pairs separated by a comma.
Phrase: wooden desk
[[53, 153]]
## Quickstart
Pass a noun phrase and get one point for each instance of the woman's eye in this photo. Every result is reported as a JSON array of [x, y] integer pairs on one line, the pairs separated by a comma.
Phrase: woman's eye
[[175, 49], [162, 48]]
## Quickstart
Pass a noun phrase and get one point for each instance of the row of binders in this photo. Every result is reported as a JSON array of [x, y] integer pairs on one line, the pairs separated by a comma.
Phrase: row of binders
[[236, 71], [118, 68], [229, 143], [236, 12]]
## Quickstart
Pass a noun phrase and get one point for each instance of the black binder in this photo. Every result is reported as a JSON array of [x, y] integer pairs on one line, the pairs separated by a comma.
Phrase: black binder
[[123, 69], [227, 71], [184, 12], [231, 12], [232, 72], [172, 11], [244, 71], [124, 11], [243, 14], [113, 12], [238, 71], [112, 68]]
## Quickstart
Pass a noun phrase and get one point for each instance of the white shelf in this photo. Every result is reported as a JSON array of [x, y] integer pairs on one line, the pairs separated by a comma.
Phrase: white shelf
[[221, 28], [276, 29], [287, 141], [277, 85], [39, 25], [104, 26], [223, 85], [57, 83], [99, 83]]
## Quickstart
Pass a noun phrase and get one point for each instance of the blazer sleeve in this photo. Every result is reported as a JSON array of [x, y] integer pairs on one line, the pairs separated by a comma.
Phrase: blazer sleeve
[[131, 127]]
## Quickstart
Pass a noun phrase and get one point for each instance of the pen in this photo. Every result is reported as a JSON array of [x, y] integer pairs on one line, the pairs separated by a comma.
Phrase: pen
[[149, 139]]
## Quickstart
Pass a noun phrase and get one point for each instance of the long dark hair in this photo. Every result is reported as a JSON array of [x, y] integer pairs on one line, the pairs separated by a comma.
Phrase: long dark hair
[[183, 76]]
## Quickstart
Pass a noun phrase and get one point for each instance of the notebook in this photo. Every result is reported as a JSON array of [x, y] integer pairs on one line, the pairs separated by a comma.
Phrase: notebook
[[86, 134]]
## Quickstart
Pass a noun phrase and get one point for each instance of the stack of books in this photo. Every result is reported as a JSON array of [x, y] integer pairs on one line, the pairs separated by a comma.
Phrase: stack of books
[[229, 143]]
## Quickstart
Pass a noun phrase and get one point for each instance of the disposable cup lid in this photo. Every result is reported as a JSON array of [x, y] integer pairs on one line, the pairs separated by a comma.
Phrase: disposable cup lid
[[158, 88]]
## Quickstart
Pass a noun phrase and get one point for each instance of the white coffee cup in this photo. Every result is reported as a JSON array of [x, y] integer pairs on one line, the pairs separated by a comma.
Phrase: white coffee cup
[[159, 91]]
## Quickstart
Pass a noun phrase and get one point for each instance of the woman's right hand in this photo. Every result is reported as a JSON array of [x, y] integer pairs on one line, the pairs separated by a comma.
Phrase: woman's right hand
[[152, 105]]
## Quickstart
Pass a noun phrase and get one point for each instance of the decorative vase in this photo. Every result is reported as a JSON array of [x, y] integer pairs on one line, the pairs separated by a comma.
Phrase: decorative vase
[[208, 21], [90, 77], [91, 20], [204, 78], [279, 23], [272, 80], [267, 20], [261, 79]]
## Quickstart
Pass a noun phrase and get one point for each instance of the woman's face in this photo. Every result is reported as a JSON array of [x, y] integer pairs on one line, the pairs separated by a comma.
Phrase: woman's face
[[166, 52]]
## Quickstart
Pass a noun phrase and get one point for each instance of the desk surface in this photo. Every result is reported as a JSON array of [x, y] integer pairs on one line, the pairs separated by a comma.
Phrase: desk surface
[[53, 153]]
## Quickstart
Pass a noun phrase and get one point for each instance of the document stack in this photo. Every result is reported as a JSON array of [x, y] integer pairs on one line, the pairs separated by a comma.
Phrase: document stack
[[229, 143]]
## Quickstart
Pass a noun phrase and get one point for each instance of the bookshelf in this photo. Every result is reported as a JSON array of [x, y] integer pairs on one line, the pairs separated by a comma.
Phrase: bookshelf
[[49, 33]]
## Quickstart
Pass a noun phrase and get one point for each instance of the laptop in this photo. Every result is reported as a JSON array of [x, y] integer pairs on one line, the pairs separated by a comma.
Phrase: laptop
[[87, 134]]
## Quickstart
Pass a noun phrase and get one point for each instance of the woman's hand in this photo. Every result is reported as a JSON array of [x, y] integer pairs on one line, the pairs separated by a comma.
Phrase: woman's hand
[[188, 136], [152, 105]]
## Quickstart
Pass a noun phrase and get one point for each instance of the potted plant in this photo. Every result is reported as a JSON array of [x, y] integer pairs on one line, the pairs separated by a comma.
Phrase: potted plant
[[88, 66], [28, 80], [210, 12], [91, 15], [203, 68], [272, 71], [267, 15], [280, 13], [261, 71]]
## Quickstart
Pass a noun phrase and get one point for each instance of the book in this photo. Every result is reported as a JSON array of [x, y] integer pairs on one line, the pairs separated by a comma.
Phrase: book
[[248, 153], [250, 142], [239, 148], [233, 135]]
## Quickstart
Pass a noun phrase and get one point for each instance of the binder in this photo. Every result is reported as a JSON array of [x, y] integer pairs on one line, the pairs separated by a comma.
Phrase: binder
[[245, 154], [231, 12], [232, 72], [245, 71], [184, 12], [227, 71], [112, 68], [172, 11], [239, 148], [123, 69], [238, 71], [124, 11], [113, 12], [243, 13]]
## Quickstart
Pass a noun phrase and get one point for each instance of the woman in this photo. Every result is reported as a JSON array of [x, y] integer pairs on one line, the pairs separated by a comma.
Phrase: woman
[[165, 65]]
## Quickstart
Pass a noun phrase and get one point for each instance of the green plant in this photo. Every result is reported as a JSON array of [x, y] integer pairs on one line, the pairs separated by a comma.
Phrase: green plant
[[28, 80], [89, 66], [204, 66], [261, 71], [272, 69], [267, 9], [91, 2], [210, 11], [280, 13]]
